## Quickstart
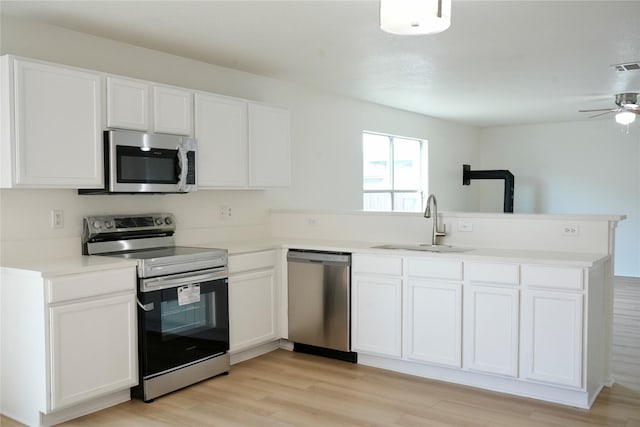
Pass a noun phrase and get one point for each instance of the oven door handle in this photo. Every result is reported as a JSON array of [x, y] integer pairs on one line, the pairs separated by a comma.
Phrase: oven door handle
[[146, 307], [174, 282]]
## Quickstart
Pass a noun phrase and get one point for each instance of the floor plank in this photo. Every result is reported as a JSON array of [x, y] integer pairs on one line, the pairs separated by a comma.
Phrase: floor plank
[[284, 389]]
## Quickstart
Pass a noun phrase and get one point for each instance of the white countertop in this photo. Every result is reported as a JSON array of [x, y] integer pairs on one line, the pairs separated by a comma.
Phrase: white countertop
[[71, 265], [572, 259], [83, 264]]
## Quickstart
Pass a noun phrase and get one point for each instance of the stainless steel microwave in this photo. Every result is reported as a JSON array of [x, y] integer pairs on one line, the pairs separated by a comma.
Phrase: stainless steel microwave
[[139, 162]]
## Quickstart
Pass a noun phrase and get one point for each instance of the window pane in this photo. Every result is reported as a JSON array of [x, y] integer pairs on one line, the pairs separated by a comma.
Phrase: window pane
[[376, 164], [377, 201], [407, 202], [406, 163]]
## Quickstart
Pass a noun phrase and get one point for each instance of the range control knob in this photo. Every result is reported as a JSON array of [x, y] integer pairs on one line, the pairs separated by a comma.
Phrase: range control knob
[[109, 224], [158, 221], [97, 224], [168, 220]]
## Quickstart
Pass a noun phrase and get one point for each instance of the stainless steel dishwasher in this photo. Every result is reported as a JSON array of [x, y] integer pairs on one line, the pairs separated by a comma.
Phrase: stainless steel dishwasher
[[320, 303]]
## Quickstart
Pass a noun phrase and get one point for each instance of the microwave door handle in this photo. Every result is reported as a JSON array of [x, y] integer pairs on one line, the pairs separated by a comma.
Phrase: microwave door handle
[[183, 166]]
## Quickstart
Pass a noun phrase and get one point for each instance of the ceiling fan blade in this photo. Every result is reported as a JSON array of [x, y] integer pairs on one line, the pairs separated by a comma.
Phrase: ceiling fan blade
[[602, 114], [597, 109]]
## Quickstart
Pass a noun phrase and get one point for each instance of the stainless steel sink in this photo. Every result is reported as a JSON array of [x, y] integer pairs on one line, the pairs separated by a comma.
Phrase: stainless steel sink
[[423, 247]]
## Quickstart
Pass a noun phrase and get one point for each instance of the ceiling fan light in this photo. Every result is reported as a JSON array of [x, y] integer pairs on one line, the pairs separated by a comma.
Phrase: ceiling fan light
[[625, 117], [414, 17]]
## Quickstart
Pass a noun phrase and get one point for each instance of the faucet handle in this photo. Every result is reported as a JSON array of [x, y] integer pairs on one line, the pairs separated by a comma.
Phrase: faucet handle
[[442, 232]]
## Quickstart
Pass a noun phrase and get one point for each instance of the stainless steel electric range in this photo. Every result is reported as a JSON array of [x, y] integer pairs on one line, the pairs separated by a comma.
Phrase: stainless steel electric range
[[183, 308]]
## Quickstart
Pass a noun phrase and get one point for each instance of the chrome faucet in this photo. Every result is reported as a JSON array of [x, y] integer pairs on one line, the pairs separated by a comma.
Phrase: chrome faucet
[[427, 214]]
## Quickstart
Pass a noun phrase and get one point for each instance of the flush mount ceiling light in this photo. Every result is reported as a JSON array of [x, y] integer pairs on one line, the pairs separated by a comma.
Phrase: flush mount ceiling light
[[413, 17]]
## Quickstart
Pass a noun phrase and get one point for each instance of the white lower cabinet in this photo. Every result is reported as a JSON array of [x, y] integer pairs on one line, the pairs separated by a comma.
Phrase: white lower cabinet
[[433, 311], [527, 329], [433, 314], [93, 348], [252, 300], [491, 317], [69, 343], [491, 329], [376, 315], [551, 337]]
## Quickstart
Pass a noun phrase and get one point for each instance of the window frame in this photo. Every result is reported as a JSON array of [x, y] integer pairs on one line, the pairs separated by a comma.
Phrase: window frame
[[392, 191]]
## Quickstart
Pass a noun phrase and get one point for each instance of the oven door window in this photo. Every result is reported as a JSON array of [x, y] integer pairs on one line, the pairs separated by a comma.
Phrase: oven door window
[[151, 166], [177, 332]]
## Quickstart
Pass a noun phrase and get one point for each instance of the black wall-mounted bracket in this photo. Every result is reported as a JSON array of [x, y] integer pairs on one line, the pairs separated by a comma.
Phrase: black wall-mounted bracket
[[509, 182]]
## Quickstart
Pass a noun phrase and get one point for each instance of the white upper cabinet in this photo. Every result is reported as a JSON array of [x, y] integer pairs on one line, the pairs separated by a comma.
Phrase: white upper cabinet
[[51, 126], [127, 104], [52, 123], [241, 144], [145, 106], [221, 131], [269, 146], [172, 110]]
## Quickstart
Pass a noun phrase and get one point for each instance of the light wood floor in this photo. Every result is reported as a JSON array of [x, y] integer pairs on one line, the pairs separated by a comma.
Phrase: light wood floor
[[293, 389]]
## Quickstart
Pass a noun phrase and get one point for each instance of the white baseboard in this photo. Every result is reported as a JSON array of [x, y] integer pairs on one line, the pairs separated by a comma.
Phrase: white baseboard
[[250, 353], [85, 408]]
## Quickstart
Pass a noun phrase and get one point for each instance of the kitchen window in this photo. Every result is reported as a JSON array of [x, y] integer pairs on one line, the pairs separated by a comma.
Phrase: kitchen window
[[394, 173]]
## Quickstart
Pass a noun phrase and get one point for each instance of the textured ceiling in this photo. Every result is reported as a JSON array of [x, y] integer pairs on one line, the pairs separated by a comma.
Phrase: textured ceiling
[[500, 62]]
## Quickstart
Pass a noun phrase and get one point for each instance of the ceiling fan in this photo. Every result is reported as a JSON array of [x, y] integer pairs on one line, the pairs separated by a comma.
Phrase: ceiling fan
[[627, 110]]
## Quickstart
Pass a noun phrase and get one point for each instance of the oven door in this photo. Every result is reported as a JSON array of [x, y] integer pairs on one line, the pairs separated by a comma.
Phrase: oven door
[[182, 319]]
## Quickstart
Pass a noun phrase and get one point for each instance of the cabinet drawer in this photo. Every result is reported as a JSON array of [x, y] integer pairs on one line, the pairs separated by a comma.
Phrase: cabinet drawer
[[251, 261], [389, 265], [84, 285], [552, 277], [491, 272], [434, 268]]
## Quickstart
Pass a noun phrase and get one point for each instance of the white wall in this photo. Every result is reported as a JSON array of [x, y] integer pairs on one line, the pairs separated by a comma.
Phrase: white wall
[[326, 146], [590, 167]]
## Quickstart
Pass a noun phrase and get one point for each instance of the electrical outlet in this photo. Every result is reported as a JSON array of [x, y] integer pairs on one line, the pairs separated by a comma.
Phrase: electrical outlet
[[465, 226], [571, 230], [57, 218], [224, 212], [312, 221]]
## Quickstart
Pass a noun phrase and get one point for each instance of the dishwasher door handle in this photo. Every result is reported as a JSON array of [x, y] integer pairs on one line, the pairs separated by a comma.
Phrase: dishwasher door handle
[[334, 258]]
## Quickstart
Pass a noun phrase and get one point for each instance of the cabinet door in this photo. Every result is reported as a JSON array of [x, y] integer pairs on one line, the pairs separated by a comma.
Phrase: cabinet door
[[269, 146], [221, 131], [58, 127], [434, 322], [551, 337], [172, 110], [491, 329], [127, 104], [252, 309], [93, 348], [376, 313]]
